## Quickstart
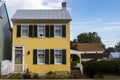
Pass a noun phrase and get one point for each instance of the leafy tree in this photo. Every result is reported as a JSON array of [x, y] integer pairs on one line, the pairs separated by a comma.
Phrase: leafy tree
[[74, 47], [109, 49], [117, 47], [90, 37]]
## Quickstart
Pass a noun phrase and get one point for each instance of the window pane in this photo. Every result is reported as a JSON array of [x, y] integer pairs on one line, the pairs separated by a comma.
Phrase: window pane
[[40, 56], [41, 31], [24, 30], [58, 31], [58, 56], [18, 55]]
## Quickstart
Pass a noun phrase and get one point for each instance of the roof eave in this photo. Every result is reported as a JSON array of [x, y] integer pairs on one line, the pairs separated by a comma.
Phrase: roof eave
[[41, 20]]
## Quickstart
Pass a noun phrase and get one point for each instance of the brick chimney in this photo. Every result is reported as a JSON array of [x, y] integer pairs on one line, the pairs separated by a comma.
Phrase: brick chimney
[[64, 5]]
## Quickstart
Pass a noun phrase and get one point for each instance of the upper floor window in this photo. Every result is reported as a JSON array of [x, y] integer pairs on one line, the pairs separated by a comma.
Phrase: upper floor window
[[40, 56], [24, 30], [41, 31], [58, 30], [34, 31]]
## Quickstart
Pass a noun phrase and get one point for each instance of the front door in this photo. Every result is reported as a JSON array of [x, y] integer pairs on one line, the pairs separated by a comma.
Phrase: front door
[[18, 59]]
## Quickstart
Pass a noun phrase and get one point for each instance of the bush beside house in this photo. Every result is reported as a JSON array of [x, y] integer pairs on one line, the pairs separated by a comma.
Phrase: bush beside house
[[96, 69], [49, 75]]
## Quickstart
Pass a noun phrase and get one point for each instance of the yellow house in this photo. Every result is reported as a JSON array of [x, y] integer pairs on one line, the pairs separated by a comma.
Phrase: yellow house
[[41, 40]]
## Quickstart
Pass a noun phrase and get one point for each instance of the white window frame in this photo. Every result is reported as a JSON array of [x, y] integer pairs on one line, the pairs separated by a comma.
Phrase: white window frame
[[38, 30], [37, 56], [28, 30], [54, 56], [61, 30]]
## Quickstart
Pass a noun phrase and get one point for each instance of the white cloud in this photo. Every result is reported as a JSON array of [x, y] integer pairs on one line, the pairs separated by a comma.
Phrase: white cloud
[[13, 5], [90, 21], [107, 28], [111, 42], [113, 23]]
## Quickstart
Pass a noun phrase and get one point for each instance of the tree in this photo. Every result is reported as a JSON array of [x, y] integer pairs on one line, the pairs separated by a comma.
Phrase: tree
[[117, 47], [109, 50], [90, 37], [74, 47]]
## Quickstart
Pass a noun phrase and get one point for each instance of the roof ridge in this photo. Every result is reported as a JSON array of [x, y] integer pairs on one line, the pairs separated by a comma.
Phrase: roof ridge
[[40, 9]]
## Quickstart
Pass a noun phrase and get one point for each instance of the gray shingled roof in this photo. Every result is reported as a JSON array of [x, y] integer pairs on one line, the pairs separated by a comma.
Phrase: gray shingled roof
[[41, 15]]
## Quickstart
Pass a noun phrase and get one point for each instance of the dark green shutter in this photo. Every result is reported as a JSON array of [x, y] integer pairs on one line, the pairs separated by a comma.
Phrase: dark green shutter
[[63, 30], [18, 30], [63, 56], [30, 30], [51, 30], [52, 56], [35, 56], [47, 31], [35, 30], [47, 56]]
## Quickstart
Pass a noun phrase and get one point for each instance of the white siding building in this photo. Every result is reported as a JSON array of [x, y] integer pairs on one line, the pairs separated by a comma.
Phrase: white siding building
[[5, 33]]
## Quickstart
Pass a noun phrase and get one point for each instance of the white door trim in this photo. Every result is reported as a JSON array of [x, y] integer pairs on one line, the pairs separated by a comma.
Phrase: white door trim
[[13, 57]]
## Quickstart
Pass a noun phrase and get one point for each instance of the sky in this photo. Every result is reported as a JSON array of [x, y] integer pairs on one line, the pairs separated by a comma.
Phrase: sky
[[101, 16]]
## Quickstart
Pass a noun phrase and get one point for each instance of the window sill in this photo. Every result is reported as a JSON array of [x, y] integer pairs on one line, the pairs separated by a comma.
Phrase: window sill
[[24, 37], [58, 63], [58, 37], [41, 63]]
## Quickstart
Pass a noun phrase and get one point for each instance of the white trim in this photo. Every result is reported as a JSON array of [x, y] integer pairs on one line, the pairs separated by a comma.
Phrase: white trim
[[37, 56], [83, 52], [27, 29], [60, 28], [61, 57], [38, 30], [13, 57]]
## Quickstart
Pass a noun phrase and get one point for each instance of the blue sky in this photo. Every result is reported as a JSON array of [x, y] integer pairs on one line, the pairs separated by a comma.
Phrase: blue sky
[[101, 16]]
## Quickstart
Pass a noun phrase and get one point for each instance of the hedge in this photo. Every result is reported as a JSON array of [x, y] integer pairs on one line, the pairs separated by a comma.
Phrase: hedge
[[92, 68]]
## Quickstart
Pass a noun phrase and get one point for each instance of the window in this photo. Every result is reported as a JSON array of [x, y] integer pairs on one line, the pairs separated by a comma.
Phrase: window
[[40, 56], [41, 31], [24, 30], [18, 55], [58, 56], [58, 30]]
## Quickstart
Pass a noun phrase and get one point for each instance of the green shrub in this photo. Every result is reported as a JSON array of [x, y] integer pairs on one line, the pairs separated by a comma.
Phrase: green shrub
[[99, 68], [35, 76], [15, 76], [27, 76]]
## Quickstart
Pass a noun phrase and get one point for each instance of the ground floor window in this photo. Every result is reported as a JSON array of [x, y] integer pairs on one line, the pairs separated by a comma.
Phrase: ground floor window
[[58, 56], [49, 56], [40, 56]]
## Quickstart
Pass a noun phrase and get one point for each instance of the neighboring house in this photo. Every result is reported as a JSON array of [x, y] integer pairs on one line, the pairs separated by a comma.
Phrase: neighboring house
[[41, 40], [87, 52], [5, 33], [88, 57], [114, 55], [88, 47]]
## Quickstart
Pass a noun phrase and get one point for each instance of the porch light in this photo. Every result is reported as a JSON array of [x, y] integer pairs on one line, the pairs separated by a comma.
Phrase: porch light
[[28, 52]]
